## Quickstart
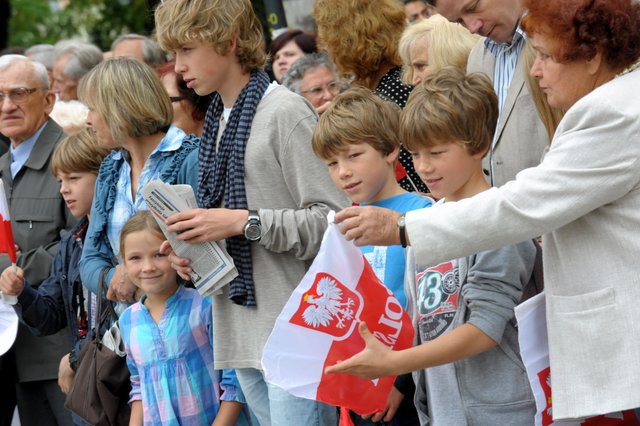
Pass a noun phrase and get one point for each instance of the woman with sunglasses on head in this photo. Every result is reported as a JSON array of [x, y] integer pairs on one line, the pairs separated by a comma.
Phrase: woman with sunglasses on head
[[189, 108]]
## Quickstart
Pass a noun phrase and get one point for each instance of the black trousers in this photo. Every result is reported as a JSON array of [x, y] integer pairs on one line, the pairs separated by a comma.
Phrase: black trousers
[[7, 388], [41, 403]]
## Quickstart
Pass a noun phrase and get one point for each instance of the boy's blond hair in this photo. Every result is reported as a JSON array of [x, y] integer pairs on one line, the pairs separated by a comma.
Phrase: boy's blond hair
[[357, 116], [450, 106], [129, 97], [214, 22], [79, 153]]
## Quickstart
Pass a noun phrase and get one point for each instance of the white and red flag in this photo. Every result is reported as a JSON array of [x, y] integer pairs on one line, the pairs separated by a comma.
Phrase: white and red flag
[[534, 349], [7, 245], [317, 328]]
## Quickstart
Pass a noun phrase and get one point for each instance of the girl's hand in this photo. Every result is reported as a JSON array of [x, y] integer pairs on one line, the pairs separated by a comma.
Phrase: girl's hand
[[228, 413]]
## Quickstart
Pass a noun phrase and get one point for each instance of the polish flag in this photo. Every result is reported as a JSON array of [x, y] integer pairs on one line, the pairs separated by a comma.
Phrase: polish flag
[[534, 349], [6, 235], [318, 327]]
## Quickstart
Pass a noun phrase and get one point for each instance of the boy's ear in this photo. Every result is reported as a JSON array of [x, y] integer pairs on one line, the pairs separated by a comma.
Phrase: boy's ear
[[480, 154], [393, 155], [233, 45]]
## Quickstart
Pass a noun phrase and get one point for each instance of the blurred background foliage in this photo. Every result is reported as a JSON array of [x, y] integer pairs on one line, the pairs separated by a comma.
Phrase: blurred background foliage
[[96, 21]]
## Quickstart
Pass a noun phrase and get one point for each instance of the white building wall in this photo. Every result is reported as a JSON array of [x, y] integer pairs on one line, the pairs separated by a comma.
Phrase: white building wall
[[296, 10]]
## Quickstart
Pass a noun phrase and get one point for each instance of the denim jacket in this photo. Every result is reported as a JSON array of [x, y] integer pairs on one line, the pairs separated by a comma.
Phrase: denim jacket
[[181, 167], [48, 309]]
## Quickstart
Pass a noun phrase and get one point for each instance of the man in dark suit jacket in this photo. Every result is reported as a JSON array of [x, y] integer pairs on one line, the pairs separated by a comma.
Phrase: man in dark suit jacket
[[4, 144], [38, 216]]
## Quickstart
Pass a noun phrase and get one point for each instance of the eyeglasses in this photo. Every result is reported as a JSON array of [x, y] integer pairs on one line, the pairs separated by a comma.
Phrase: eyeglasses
[[333, 87], [177, 98], [17, 96]]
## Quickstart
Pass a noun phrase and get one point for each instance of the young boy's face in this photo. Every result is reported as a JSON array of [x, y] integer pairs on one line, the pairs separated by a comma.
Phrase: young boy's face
[[205, 70], [77, 190], [363, 173], [449, 170]]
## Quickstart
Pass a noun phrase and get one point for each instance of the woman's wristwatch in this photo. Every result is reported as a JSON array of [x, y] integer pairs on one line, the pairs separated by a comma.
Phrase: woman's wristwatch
[[402, 230]]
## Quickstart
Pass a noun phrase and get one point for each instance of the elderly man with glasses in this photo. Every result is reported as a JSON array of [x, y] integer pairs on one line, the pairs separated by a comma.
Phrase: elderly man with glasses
[[38, 215]]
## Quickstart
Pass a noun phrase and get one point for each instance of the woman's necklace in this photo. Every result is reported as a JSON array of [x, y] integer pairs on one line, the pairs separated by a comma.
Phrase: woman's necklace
[[628, 69]]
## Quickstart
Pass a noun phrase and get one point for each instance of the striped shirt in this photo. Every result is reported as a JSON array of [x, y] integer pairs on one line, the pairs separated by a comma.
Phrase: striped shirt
[[171, 362], [506, 60]]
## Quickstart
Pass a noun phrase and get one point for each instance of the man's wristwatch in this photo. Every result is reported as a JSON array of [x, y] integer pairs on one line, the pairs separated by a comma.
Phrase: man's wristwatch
[[402, 230], [253, 228]]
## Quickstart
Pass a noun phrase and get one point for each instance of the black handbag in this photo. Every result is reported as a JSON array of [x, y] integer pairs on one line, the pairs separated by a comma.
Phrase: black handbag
[[101, 385]]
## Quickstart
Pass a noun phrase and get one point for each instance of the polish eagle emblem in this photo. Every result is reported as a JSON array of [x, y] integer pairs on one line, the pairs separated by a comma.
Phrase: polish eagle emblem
[[328, 306]]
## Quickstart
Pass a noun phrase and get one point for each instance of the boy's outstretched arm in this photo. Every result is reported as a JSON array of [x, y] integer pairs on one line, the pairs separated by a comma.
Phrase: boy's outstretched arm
[[377, 360]]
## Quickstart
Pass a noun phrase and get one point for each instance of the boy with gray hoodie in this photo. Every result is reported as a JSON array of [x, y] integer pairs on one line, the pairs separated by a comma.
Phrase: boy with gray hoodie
[[466, 364]]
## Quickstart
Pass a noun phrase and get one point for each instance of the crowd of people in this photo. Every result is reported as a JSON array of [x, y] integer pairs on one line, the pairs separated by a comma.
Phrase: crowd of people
[[456, 140]]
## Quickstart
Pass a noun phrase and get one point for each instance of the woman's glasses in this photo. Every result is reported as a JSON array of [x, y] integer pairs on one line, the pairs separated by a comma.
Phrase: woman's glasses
[[333, 87]]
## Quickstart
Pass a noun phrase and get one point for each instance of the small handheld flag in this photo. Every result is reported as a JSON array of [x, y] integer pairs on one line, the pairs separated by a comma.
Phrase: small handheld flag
[[318, 327], [7, 244]]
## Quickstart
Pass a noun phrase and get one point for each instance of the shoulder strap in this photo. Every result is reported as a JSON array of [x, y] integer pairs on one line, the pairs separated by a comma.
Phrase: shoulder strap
[[103, 315], [536, 282]]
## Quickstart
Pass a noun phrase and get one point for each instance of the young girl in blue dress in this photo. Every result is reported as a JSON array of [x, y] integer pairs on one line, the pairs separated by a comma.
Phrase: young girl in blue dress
[[168, 341]]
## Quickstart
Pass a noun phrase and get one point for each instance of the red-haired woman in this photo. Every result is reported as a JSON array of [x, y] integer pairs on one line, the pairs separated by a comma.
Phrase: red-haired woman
[[584, 198]]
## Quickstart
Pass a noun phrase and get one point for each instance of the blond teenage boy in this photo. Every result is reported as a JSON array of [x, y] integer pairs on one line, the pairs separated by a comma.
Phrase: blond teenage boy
[[260, 189], [61, 299], [466, 366], [357, 138]]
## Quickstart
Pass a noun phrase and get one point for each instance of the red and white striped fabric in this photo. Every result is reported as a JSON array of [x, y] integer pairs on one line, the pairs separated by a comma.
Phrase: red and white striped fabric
[[318, 327], [534, 349], [7, 245]]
